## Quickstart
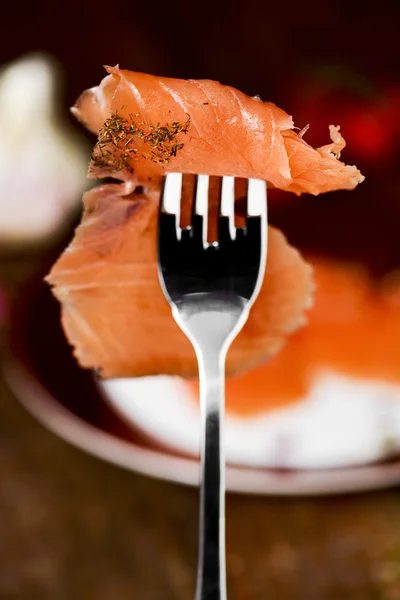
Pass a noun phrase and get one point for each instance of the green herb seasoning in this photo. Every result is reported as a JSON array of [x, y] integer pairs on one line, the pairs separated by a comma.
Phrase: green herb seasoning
[[117, 146]]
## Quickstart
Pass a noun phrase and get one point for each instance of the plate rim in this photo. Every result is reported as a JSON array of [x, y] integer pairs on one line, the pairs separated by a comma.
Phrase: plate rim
[[160, 464]]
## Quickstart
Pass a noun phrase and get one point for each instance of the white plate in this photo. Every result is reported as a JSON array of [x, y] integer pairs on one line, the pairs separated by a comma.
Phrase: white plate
[[146, 459], [342, 422]]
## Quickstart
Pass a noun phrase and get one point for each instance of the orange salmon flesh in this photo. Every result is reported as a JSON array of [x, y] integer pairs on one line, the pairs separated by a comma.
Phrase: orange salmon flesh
[[113, 311]]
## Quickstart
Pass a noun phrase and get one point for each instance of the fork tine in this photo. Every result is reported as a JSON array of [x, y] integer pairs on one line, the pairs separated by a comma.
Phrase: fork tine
[[171, 194], [257, 226], [226, 222], [200, 210], [170, 202], [256, 198]]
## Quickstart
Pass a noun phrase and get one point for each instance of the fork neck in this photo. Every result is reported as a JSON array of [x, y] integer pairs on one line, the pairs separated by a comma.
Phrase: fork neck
[[211, 321]]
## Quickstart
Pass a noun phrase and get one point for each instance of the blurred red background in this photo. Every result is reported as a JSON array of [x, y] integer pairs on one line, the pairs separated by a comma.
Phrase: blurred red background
[[323, 61]]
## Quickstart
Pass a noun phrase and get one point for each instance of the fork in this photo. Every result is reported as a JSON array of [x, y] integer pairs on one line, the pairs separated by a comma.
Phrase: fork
[[211, 288]]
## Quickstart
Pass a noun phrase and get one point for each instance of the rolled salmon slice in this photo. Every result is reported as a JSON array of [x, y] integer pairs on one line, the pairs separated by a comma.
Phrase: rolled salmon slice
[[113, 310], [223, 132]]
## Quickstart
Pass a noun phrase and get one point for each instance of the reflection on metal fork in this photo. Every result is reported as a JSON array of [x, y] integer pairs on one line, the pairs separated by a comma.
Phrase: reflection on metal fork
[[211, 289]]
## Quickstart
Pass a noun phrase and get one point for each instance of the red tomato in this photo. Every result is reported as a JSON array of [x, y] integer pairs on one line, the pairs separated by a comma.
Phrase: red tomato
[[368, 115]]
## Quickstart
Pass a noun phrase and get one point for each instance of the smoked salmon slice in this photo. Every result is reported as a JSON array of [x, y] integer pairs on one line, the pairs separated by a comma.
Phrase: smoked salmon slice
[[228, 133], [113, 310]]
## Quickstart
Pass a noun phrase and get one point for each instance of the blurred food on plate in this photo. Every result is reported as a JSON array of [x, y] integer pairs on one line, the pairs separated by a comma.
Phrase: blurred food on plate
[[330, 398]]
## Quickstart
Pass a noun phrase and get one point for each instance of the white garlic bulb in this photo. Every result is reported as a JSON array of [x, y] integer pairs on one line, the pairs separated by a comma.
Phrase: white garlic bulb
[[43, 162]]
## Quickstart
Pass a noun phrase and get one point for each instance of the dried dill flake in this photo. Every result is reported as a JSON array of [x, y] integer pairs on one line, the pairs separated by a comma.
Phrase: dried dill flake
[[118, 141]]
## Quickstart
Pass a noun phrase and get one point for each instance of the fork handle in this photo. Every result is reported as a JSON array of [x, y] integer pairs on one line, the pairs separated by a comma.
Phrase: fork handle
[[211, 574], [211, 322]]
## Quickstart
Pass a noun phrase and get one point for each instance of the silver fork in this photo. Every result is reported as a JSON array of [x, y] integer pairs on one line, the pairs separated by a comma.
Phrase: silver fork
[[211, 288]]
